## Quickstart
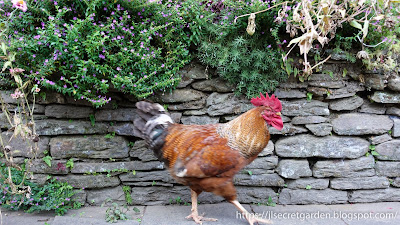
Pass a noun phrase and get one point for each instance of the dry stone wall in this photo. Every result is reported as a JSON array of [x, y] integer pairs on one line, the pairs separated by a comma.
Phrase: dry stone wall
[[342, 145]]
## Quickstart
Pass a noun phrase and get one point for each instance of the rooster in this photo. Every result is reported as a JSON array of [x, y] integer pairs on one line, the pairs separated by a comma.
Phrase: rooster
[[206, 157]]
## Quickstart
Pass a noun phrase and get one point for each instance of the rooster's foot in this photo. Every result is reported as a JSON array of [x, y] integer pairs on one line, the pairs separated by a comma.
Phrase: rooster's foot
[[199, 219], [254, 219]]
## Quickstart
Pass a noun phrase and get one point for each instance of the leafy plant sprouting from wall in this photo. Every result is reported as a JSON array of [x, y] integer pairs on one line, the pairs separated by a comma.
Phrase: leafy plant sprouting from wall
[[251, 63], [18, 192], [312, 22]]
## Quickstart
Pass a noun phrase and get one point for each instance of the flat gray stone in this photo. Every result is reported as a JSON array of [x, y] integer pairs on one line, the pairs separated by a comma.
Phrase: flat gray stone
[[52, 127], [289, 93], [120, 114], [265, 163], [351, 89], [222, 104], [260, 180], [22, 148], [302, 197], [106, 196], [39, 179], [199, 112], [79, 196], [255, 195], [393, 111], [294, 168], [318, 91], [306, 145], [268, 150], [141, 151], [198, 104], [180, 95], [303, 183], [321, 129], [6, 96], [94, 146], [89, 181], [396, 182], [195, 71], [39, 166], [394, 83], [361, 124], [176, 117], [308, 120], [388, 169], [213, 85], [115, 167], [325, 77], [376, 140], [288, 129], [160, 195], [396, 127], [200, 120], [327, 83], [185, 81], [217, 98], [375, 81], [305, 108], [68, 111], [373, 108], [293, 82], [378, 195], [39, 109], [389, 150], [50, 98], [355, 183], [143, 176], [385, 97], [350, 103], [361, 167], [124, 129]]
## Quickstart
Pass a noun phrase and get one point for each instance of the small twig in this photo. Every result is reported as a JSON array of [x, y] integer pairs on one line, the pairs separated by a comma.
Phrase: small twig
[[284, 59], [322, 62], [371, 46], [234, 21]]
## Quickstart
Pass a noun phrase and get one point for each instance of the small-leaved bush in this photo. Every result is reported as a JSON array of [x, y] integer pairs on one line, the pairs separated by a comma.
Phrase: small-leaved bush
[[54, 195], [85, 48], [251, 63]]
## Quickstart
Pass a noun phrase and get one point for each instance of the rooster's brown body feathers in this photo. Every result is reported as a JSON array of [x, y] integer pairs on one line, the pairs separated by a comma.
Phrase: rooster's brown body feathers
[[204, 157]]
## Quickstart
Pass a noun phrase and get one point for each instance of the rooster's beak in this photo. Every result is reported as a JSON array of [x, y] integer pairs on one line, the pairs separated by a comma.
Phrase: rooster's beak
[[279, 113]]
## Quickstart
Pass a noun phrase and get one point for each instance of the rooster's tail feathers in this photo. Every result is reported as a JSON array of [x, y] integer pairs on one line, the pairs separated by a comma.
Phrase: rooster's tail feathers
[[152, 123]]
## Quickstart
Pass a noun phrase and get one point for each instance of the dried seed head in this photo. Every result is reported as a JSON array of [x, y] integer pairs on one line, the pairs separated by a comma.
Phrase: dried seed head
[[7, 148], [362, 55], [35, 138], [251, 26]]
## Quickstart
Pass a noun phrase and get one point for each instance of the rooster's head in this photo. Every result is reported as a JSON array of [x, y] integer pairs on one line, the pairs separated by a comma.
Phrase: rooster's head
[[273, 108]]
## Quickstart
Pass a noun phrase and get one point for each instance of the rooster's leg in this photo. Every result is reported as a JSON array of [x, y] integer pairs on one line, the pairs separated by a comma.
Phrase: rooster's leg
[[195, 214], [251, 218]]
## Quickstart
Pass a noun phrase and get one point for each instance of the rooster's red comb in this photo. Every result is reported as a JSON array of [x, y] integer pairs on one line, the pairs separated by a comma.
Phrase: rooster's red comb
[[272, 102]]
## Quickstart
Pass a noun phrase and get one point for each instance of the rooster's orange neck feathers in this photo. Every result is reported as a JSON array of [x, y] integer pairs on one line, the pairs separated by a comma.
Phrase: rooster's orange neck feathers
[[247, 133]]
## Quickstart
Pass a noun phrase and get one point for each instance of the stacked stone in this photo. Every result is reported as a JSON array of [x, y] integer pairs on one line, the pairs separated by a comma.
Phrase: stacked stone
[[322, 156]]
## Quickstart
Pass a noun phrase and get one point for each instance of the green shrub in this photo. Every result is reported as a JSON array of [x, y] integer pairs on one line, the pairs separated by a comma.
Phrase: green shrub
[[251, 63], [84, 48], [53, 195]]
